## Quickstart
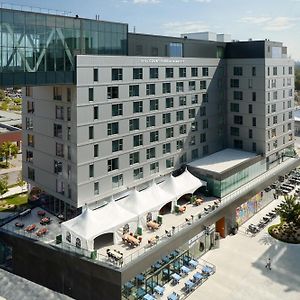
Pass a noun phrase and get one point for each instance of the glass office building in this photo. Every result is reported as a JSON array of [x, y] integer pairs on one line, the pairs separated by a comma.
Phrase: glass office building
[[40, 49]]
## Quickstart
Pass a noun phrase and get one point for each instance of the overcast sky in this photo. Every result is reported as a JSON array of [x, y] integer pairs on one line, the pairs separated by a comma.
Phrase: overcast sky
[[277, 20]]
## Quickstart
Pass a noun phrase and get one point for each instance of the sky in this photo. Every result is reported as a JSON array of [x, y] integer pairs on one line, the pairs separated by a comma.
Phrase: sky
[[277, 20]]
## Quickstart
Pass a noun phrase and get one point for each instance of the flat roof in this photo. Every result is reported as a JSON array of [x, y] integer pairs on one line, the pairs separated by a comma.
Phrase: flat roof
[[223, 160]]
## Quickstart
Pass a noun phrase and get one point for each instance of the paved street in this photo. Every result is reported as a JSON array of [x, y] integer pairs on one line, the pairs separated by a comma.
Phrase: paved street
[[241, 272]]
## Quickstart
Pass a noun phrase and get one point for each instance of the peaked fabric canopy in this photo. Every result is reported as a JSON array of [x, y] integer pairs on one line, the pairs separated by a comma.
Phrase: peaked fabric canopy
[[93, 223], [185, 183]]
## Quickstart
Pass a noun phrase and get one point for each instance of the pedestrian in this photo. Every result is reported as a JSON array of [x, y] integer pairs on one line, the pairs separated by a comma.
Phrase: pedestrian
[[268, 264]]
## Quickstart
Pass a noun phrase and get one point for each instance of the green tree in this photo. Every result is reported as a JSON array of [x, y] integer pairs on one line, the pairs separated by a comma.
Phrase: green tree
[[2, 95], [7, 150], [20, 181], [3, 184], [290, 210]]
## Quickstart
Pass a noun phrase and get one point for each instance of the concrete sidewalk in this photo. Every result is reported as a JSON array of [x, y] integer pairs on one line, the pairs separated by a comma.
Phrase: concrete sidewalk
[[14, 191]]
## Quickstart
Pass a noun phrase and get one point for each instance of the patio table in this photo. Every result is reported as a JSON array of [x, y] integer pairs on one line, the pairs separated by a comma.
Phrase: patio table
[[140, 292], [174, 253], [140, 277], [176, 277], [166, 259], [197, 276], [157, 266], [128, 285], [173, 296], [189, 285], [208, 270], [193, 263], [159, 290]]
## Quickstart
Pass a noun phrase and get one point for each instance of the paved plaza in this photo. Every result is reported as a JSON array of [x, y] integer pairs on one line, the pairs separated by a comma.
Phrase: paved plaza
[[240, 267]]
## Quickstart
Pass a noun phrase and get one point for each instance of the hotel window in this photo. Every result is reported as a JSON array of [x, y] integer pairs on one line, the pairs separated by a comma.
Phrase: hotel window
[[153, 73], [202, 111], [154, 136], [205, 150], [91, 94], [95, 74], [169, 102], [275, 95], [192, 141], [166, 118], [192, 113], [134, 124], [234, 107], [254, 121], [179, 144], [150, 153], [194, 72], [205, 124], [150, 121], [182, 100], [91, 132], [138, 173], [169, 72], [59, 112], [182, 72], [137, 73], [29, 123], [250, 108], [182, 159], [117, 181], [202, 85], [194, 99], [166, 87], [96, 150], [112, 164], [234, 83], [234, 131], [289, 104], [137, 106], [117, 110], [273, 132], [195, 154], [290, 70], [57, 130], [96, 188], [69, 94], [250, 134], [154, 104], [112, 128], [238, 120], [68, 114], [58, 167], [180, 115], [290, 114], [182, 129], [194, 126], [204, 72], [205, 97], [192, 85], [274, 71], [117, 145], [202, 137], [237, 95], [137, 140], [253, 71], [91, 170], [57, 93], [112, 92], [154, 168], [134, 158], [150, 89], [29, 156], [175, 49], [169, 132], [179, 87], [116, 74], [274, 120], [31, 173], [166, 148], [238, 71], [134, 90], [289, 126], [30, 107], [96, 112], [238, 144], [170, 162], [59, 149], [273, 108], [254, 96]]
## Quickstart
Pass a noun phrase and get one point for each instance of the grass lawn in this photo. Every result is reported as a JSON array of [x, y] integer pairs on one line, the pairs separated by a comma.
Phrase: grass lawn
[[14, 200]]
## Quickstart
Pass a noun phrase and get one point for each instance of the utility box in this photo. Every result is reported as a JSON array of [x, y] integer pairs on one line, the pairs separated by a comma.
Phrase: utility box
[[139, 230], [159, 219]]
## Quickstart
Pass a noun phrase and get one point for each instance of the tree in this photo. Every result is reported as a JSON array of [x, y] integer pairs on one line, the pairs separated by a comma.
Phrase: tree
[[290, 210], [3, 184], [20, 181], [2, 95], [7, 150]]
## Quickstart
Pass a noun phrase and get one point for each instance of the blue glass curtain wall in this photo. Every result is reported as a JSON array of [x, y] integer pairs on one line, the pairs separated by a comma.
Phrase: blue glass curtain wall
[[40, 49]]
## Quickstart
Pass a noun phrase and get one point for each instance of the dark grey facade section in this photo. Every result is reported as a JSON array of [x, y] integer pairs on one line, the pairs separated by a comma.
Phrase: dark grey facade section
[[155, 45], [249, 49]]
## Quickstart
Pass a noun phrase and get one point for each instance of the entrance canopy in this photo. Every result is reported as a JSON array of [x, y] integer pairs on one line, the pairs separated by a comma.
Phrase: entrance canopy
[[186, 183], [93, 223]]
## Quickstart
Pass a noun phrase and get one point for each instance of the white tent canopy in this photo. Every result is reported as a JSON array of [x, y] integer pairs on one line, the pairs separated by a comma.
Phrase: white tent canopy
[[186, 183], [93, 223]]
